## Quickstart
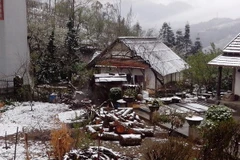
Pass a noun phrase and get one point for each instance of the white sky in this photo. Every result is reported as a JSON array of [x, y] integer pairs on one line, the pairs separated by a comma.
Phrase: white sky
[[202, 10]]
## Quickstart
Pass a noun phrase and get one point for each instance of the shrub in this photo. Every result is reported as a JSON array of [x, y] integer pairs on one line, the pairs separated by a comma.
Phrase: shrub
[[171, 149], [115, 94], [61, 141], [215, 115], [221, 142]]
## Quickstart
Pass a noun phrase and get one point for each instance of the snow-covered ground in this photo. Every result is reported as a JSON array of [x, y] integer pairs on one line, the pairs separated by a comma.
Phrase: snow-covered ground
[[44, 116]]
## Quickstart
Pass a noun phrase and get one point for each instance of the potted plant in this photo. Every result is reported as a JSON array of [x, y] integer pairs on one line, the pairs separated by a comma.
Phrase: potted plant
[[154, 105], [115, 94], [129, 95]]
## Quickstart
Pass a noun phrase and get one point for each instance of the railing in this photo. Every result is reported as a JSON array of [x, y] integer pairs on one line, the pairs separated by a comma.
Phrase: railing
[[6, 86]]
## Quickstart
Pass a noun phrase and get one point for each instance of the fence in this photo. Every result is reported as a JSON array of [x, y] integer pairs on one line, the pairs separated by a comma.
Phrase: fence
[[6, 86]]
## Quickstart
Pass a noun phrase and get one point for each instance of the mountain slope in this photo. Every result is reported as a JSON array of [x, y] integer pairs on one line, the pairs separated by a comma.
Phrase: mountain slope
[[218, 30]]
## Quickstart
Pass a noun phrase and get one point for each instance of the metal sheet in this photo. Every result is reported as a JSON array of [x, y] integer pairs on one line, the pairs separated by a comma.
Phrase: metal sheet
[[228, 61], [157, 54]]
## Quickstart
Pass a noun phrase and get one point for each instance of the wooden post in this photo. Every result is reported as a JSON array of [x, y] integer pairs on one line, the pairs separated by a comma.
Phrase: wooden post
[[26, 146], [16, 141], [144, 79], [156, 85], [233, 80], [219, 82]]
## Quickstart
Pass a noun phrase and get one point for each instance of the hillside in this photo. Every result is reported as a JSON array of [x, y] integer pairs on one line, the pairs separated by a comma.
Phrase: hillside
[[218, 30]]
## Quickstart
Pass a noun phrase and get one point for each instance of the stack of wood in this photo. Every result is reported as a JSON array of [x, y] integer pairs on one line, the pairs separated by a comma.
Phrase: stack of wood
[[121, 125]]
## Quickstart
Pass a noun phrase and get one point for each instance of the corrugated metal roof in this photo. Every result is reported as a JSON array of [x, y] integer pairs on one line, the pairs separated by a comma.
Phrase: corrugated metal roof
[[161, 58], [227, 61], [233, 46], [230, 56]]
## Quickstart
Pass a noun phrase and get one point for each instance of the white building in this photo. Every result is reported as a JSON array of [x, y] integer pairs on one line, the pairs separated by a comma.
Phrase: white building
[[14, 51]]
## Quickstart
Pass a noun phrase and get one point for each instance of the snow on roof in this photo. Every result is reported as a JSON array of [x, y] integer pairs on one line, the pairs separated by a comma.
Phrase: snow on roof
[[106, 77], [233, 46], [227, 61], [95, 55], [230, 56], [160, 57]]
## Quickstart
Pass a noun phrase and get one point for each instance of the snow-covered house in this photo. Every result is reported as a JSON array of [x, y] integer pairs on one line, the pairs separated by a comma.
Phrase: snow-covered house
[[229, 58], [14, 51], [150, 62]]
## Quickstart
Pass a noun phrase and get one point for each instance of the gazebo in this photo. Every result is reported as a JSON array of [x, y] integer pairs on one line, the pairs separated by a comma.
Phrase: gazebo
[[229, 58]]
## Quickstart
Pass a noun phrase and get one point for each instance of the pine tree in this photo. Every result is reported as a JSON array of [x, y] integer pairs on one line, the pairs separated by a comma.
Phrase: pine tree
[[166, 35], [197, 46], [179, 43], [49, 65], [187, 40], [71, 43]]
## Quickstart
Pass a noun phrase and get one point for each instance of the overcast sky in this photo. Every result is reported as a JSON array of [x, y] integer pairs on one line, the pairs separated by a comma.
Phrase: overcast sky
[[152, 13]]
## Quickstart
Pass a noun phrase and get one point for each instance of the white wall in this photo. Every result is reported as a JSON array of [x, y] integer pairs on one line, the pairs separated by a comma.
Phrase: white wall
[[237, 83], [14, 51]]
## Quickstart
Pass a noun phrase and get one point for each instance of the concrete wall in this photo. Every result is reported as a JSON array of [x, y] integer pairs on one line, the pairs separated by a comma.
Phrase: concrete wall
[[14, 51]]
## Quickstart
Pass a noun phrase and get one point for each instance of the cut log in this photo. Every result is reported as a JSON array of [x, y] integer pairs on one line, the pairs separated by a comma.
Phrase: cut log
[[130, 139], [129, 110], [113, 117], [137, 124], [121, 112], [97, 120], [119, 129], [144, 132], [110, 136], [93, 133], [97, 127], [122, 127]]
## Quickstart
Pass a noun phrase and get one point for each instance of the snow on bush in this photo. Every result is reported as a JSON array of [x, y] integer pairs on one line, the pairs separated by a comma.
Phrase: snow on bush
[[216, 114]]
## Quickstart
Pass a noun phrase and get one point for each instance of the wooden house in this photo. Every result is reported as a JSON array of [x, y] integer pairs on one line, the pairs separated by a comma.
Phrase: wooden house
[[148, 61]]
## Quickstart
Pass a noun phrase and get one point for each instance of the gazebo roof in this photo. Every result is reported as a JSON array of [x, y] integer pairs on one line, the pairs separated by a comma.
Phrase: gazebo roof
[[233, 46], [230, 56]]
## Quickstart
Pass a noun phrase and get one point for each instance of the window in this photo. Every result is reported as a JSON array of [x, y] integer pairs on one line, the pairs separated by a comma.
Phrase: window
[[1, 10]]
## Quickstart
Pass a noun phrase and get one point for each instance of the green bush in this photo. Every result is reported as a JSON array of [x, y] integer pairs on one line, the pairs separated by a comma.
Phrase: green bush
[[215, 115], [115, 94]]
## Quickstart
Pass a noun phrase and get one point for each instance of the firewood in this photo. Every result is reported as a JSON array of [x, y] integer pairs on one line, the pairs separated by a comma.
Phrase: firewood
[[113, 117], [144, 131], [129, 110], [109, 136], [120, 112], [120, 127], [93, 133], [130, 139], [96, 127]]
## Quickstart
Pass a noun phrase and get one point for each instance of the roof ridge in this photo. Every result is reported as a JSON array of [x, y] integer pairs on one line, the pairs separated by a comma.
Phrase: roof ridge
[[231, 41], [135, 37]]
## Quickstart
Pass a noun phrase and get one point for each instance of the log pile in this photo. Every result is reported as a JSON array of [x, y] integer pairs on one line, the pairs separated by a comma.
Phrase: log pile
[[122, 125]]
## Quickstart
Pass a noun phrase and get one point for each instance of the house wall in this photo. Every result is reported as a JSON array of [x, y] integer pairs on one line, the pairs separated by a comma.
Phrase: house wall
[[149, 76], [14, 51], [237, 82]]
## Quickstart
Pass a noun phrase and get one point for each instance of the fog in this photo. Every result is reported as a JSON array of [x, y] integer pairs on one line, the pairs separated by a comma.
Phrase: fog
[[152, 13]]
